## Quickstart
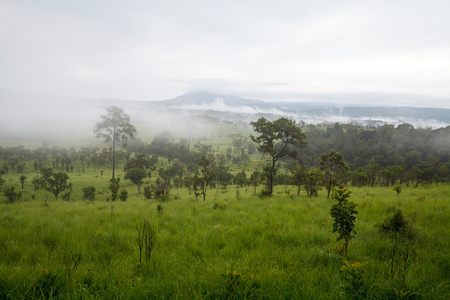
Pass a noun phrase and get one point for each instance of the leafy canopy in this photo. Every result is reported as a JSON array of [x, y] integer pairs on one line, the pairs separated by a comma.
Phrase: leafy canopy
[[115, 126], [279, 138]]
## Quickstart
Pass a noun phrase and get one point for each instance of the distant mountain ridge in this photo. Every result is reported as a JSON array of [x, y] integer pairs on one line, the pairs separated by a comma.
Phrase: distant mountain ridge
[[213, 104], [38, 116]]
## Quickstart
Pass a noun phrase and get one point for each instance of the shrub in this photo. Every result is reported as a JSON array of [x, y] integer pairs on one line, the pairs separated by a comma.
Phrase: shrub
[[11, 194], [264, 193], [220, 205], [398, 188], [123, 195], [397, 227], [114, 187], [88, 193], [159, 208], [66, 195], [343, 214], [148, 194]]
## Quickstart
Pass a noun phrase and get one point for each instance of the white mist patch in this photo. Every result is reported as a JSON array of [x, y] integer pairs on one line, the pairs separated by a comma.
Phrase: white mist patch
[[219, 104]]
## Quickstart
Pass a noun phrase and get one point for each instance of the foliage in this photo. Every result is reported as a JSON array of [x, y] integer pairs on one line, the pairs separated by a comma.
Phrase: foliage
[[397, 188], [220, 205], [114, 187], [298, 177], [11, 194], [334, 166], [22, 180], [136, 175], [123, 195], [148, 193], [161, 190], [343, 214], [240, 179], [140, 167], [66, 195], [312, 180], [255, 180], [279, 138], [114, 127], [88, 193], [201, 182], [397, 227], [142, 161], [353, 276], [55, 183], [1, 181]]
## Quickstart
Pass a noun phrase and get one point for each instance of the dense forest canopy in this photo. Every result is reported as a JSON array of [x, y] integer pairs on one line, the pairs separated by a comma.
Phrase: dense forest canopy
[[382, 155]]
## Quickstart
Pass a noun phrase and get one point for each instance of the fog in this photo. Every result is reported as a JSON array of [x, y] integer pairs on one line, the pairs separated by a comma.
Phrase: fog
[[49, 118]]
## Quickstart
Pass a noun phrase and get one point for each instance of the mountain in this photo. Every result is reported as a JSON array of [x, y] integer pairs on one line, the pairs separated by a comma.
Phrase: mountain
[[41, 117]]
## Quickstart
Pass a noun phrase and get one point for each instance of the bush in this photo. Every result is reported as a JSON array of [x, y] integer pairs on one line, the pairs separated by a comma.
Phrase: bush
[[343, 214], [397, 226], [148, 194], [264, 193], [11, 194], [220, 205], [123, 195], [66, 196], [88, 193]]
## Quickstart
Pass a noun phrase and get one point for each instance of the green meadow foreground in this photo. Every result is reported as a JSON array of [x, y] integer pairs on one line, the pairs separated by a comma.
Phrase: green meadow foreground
[[235, 245]]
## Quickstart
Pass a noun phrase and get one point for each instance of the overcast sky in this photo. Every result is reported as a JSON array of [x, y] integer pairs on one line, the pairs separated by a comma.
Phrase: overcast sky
[[366, 52]]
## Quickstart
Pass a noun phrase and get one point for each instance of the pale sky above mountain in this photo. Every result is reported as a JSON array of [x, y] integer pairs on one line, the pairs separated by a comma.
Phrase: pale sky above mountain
[[386, 52]]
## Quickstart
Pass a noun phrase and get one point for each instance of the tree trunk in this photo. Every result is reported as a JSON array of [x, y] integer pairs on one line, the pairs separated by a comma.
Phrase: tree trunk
[[114, 152], [271, 177]]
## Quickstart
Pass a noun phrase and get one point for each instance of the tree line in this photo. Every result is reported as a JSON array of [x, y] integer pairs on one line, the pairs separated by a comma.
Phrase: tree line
[[288, 153]]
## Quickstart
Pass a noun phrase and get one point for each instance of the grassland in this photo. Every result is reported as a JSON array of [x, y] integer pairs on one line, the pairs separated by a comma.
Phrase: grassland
[[243, 247]]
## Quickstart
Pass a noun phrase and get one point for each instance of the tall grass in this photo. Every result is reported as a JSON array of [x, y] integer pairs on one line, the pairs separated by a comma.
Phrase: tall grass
[[278, 247]]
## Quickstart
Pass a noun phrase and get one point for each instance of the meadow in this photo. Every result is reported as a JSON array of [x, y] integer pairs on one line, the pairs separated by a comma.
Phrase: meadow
[[234, 245]]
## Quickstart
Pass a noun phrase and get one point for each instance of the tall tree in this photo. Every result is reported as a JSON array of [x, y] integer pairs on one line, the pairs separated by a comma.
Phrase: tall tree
[[114, 127], [334, 166], [279, 138]]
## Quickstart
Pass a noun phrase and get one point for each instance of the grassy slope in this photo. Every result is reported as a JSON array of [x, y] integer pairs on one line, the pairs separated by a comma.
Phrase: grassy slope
[[263, 248]]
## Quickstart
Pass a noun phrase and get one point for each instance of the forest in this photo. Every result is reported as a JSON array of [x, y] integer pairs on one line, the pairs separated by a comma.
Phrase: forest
[[246, 211]]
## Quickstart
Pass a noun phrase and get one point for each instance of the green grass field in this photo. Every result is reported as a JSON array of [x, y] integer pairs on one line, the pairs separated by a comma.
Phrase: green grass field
[[243, 247]]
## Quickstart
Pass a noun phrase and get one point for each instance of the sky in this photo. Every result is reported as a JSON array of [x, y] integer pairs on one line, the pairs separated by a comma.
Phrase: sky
[[393, 52]]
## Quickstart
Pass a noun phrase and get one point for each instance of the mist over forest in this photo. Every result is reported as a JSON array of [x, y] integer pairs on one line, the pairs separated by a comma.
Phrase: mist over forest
[[26, 116]]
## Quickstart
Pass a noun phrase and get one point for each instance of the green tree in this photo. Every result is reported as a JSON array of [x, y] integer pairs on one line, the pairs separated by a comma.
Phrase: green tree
[[298, 176], [53, 182], [136, 175], [22, 180], [255, 180], [240, 179], [334, 166], [312, 180], [114, 127], [279, 138], [1, 181], [11, 194], [344, 217], [114, 187], [206, 177], [142, 161]]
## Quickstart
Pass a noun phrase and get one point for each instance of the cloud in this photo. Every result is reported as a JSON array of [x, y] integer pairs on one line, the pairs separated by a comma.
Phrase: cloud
[[153, 50]]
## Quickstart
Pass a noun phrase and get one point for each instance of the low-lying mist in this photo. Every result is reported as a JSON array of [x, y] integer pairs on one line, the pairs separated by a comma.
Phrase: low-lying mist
[[65, 119]]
